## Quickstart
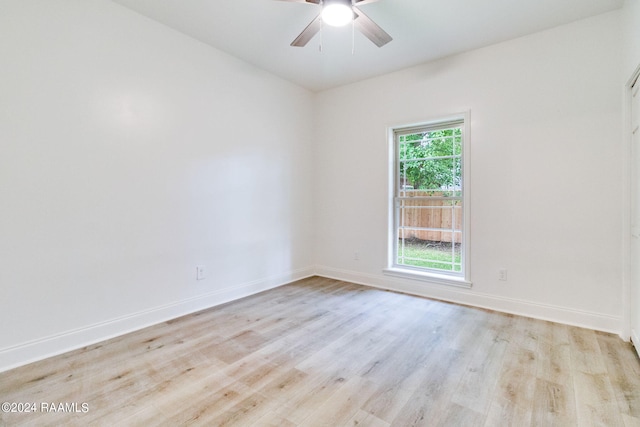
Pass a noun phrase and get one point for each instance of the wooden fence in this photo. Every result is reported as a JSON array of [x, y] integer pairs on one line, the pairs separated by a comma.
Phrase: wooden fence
[[439, 216]]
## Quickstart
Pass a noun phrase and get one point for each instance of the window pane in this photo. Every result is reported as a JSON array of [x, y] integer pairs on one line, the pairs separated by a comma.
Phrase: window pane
[[424, 219], [438, 174], [431, 144], [441, 255], [430, 233]]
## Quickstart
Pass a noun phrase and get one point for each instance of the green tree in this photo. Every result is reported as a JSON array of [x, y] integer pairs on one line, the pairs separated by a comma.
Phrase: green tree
[[431, 160]]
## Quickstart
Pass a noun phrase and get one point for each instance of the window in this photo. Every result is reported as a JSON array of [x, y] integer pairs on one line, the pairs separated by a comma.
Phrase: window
[[429, 209]]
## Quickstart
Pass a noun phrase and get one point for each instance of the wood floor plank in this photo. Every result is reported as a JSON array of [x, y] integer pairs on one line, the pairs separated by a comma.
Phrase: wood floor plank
[[363, 418], [585, 351], [512, 402], [420, 410], [386, 403], [342, 405], [428, 404], [321, 352], [273, 419], [476, 387], [596, 403], [624, 373], [457, 415], [243, 413], [187, 395], [630, 421], [553, 404], [554, 362], [309, 396]]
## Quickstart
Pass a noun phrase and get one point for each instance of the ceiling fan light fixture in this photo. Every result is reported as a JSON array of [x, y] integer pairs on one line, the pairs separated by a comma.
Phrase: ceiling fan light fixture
[[337, 14], [341, 12]]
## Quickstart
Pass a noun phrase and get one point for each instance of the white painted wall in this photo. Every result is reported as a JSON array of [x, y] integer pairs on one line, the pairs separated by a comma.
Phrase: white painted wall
[[545, 171], [631, 13], [129, 154]]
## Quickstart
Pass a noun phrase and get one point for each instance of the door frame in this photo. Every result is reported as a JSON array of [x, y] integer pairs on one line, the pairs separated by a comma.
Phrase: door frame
[[627, 186]]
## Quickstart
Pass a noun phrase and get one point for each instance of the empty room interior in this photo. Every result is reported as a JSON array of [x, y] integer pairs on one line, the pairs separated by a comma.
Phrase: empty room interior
[[222, 212]]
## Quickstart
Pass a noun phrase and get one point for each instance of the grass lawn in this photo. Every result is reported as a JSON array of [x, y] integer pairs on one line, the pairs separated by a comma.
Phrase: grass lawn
[[421, 253]]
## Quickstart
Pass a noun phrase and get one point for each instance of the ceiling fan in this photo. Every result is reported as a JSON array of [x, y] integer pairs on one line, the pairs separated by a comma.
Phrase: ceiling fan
[[338, 13]]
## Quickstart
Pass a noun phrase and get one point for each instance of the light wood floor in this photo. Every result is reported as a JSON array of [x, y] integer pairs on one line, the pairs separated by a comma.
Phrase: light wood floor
[[321, 352]]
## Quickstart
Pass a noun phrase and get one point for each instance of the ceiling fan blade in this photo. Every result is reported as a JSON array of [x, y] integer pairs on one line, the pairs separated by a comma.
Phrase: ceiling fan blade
[[358, 2], [370, 29], [306, 1], [308, 33]]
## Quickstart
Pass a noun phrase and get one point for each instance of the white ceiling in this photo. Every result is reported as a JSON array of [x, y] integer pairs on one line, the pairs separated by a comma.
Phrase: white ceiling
[[259, 31]]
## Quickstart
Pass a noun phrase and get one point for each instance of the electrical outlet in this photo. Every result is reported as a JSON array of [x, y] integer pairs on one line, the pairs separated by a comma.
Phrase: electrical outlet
[[502, 274], [200, 272]]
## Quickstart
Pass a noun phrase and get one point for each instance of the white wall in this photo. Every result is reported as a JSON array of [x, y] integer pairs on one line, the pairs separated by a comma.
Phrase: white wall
[[129, 154], [545, 171], [631, 13]]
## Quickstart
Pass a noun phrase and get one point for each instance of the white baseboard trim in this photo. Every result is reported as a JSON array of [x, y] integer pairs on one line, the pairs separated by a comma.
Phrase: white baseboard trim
[[635, 340], [569, 316], [42, 348]]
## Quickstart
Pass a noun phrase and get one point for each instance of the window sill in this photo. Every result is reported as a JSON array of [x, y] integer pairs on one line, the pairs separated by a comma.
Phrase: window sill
[[439, 279]]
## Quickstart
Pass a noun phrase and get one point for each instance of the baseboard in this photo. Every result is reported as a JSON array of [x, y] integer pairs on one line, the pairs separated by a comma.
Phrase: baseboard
[[43, 348], [635, 340], [585, 319]]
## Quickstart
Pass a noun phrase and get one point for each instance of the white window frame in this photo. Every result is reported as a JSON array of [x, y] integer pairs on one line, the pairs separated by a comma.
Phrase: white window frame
[[462, 278]]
